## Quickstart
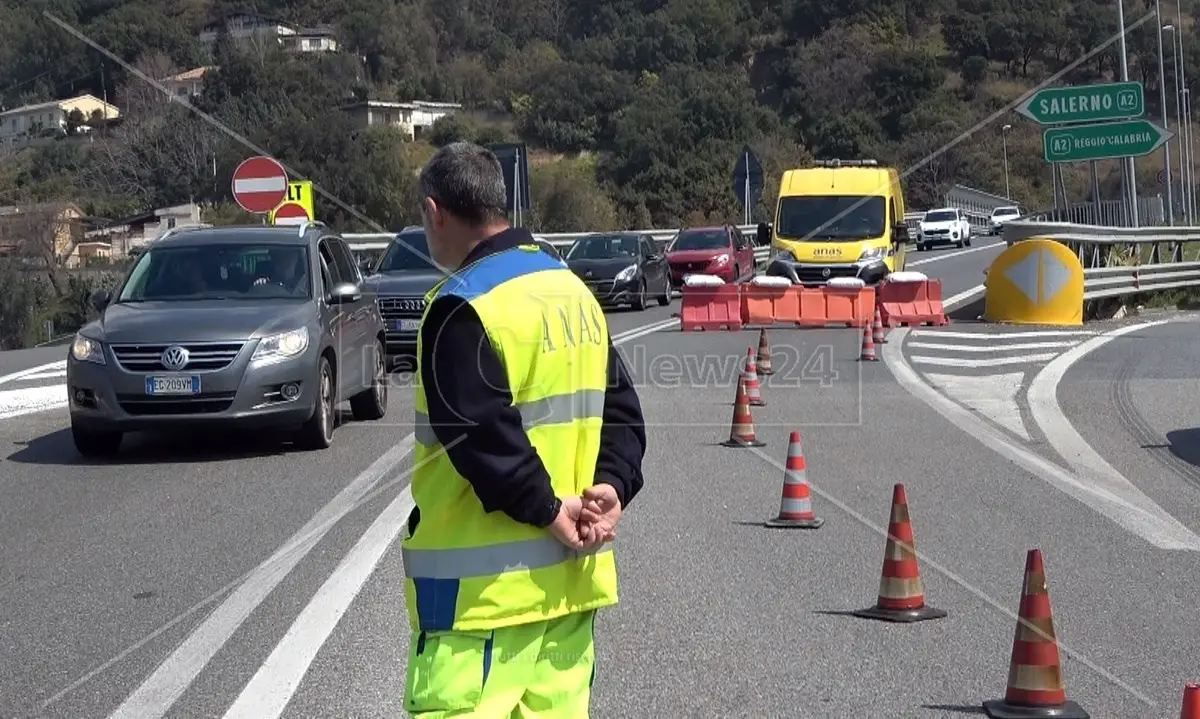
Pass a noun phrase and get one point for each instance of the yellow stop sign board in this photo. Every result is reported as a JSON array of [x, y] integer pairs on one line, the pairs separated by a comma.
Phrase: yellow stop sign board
[[298, 193], [1035, 282]]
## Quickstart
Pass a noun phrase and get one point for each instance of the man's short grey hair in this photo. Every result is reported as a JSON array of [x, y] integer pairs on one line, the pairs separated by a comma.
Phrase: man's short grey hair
[[467, 181]]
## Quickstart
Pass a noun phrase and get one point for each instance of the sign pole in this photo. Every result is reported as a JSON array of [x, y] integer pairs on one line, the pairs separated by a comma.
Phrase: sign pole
[[1096, 190], [517, 189], [746, 194]]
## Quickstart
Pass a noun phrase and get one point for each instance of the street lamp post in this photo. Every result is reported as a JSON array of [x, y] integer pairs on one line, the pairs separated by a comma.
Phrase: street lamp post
[[1184, 192], [1162, 95], [1130, 168], [1004, 141]]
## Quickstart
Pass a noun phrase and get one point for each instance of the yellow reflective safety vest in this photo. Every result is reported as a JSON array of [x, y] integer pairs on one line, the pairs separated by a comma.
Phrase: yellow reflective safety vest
[[470, 570]]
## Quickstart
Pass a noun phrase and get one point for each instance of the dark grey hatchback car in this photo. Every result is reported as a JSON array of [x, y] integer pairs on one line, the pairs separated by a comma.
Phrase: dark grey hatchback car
[[258, 327]]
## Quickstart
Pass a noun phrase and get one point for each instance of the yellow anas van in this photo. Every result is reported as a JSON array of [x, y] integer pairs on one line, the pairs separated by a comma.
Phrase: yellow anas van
[[838, 219]]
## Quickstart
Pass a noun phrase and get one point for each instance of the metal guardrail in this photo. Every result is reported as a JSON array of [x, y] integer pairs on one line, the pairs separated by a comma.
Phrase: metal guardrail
[[375, 241], [1115, 260]]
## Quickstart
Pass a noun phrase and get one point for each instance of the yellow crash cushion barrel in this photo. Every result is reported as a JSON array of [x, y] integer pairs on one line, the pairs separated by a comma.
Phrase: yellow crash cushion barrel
[[1035, 282]]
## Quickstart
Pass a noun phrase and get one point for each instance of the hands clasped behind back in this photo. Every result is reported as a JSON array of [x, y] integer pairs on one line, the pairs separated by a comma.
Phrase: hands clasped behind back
[[584, 523]]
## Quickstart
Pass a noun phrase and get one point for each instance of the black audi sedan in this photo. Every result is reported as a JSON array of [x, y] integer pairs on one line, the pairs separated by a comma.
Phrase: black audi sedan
[[622, 268], [401, 279]]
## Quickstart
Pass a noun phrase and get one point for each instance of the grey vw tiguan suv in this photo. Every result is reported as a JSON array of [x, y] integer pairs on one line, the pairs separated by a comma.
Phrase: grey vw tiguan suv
[[230, 326]]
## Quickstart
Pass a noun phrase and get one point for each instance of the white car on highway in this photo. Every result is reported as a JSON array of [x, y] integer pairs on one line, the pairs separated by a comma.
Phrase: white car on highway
[[1000, 215], [947, 226]]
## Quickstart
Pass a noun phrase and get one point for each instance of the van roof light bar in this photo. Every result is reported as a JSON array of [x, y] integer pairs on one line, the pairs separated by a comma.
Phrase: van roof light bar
[[846, 163]]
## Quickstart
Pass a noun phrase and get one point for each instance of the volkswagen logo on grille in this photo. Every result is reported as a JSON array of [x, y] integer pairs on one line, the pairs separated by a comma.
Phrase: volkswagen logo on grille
[[825, 272], [174, 358]]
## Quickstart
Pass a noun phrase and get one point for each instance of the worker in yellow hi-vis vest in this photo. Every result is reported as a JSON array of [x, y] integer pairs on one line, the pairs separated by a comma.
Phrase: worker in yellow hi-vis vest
[[530, 441]]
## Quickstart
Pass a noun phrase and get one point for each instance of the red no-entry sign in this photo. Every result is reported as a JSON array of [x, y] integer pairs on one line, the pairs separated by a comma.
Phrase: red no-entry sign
[[291, 213], [259, 184]]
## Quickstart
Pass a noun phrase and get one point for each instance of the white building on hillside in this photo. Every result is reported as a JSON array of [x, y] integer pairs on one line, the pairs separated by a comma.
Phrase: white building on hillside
[[252, 27], [413, 118], [23, 123]]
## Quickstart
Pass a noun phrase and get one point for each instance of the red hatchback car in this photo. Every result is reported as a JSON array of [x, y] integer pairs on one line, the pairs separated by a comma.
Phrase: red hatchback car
[[720, 251]]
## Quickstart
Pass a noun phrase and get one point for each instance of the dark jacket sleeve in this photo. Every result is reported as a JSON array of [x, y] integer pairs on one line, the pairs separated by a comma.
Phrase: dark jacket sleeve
[[623, 436], [472, 414]]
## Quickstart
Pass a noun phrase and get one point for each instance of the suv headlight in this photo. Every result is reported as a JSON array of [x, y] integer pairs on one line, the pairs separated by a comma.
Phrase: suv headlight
[[280, 347], [875, 253], [626, 274], [721, 259], [85, 349]]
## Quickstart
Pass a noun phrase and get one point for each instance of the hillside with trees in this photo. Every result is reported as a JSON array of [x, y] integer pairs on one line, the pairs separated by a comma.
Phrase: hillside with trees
[[635, 110]]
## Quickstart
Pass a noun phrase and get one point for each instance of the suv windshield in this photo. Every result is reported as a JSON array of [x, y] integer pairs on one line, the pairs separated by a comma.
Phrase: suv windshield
[[941, 216], [409, 251], [228, 271], [839, 218], [1006, 212], [701, 240], [604, 247]]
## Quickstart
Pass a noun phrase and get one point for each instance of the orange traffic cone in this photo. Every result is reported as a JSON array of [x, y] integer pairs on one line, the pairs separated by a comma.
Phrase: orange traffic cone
[[1035, 681], [901, 594], [764, 354], [795, 507], [750, 377], [1191, 702], [742, 432], [877, 334], [868, 347]]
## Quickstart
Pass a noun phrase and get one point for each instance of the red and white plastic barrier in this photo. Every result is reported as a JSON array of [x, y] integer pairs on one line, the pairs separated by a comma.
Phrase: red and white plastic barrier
[[710, 304], [911, 299]]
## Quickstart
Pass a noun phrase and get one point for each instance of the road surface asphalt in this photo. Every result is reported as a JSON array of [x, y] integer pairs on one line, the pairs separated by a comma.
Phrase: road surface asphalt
[[203, 576]]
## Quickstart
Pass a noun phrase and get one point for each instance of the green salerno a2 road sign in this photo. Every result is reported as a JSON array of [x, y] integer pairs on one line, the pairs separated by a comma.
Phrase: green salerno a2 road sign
[[1085, 103], [1104, 141]]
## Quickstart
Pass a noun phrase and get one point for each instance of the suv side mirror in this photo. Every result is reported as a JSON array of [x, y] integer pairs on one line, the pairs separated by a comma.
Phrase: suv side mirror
[[100, 299], [365, 265], [900, 234], [345, 293], [763, 236]]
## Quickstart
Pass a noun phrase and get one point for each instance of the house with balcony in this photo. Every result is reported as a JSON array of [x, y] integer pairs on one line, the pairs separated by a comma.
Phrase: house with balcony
[[413, 118], [251, 28], [38, 233], [20, 125], [188, 84]]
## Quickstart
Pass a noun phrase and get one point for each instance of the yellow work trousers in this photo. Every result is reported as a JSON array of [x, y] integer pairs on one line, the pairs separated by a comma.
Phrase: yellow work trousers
[[542, 670]]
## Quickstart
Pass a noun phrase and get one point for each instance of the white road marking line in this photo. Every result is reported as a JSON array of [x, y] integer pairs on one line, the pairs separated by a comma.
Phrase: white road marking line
[[61, 364], [637, 332], [993, 348], [999, 335], [982, 362], [1161, 531], [29, 400], [1135, 510], [276, 681], [956, 253], [52, 374], [994, 396], [962, 297], [159, 692]]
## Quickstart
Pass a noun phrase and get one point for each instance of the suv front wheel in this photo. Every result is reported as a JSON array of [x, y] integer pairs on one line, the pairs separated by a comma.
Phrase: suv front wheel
[[317, 432], [92, 443]]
